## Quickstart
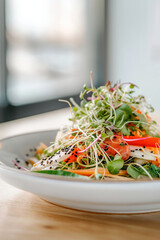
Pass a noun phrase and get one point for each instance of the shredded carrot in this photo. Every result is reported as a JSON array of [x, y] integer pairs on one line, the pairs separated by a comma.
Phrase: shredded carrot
[[70, 136], [138, 111], [157, 152], [137, 132], [40, 148], [91, 171]]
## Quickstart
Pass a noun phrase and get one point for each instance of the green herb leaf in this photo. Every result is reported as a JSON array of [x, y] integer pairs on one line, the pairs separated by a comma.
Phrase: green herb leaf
[[61, 173], [131, 86], [156, 170], [115, 165], [75, 109], [83, 103], [125, 130], [133, 172], [103, 135], [123, 114]]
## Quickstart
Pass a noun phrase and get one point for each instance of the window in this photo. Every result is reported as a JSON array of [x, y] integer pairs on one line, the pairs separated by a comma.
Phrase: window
[[50, 48]]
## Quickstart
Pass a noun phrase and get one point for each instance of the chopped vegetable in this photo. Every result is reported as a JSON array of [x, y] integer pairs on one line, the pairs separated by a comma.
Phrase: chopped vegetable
[[142, 141]]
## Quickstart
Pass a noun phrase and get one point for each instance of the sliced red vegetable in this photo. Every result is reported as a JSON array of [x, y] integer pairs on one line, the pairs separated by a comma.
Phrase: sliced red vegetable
[[73, 157], [142, 141]]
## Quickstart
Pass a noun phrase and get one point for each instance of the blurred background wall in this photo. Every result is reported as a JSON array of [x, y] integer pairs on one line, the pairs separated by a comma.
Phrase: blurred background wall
[[133, 45], [48, 47]]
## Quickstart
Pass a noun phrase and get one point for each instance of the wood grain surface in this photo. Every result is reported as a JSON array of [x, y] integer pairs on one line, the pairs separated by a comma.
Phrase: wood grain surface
[[24, 216]]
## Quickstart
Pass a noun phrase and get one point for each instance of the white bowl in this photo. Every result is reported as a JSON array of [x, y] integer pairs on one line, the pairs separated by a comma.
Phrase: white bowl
[[88, 195]]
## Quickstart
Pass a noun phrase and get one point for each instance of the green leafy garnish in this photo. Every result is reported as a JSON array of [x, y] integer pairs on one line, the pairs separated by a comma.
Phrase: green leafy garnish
[[61, 173], [115, 165], [133, 171], [123, 115]]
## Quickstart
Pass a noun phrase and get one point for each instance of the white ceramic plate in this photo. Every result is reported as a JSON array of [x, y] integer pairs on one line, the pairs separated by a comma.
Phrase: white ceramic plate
[[90, 195]]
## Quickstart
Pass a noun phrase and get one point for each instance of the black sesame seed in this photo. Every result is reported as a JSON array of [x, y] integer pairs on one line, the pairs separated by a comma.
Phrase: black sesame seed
[[151, 151], [125, 144], [75, 155], [17, 161], [50, 167], [27, 155], [142, 155], [144, 147]]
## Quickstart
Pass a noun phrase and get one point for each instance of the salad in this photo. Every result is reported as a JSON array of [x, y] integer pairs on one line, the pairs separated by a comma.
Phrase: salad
[[111, 136]]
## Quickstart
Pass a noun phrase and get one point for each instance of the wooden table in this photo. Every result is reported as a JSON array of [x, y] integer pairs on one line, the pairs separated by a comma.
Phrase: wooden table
[[24, 216]]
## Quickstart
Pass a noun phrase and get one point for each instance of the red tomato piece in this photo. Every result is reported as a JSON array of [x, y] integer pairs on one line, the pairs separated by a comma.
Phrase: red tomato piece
[[116, 145]]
